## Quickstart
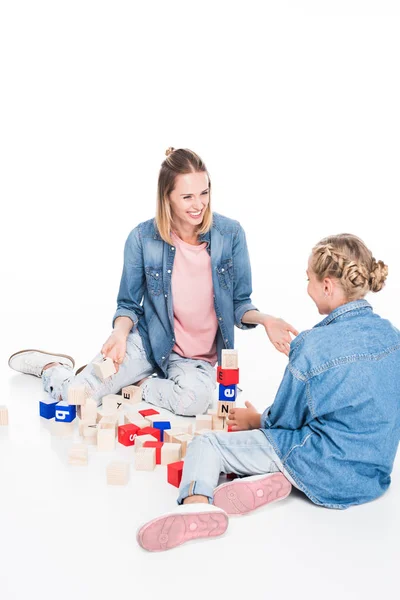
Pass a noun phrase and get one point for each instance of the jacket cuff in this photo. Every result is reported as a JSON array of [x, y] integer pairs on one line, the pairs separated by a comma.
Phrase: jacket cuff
[[240, 311], [124, 312], [265, 421]]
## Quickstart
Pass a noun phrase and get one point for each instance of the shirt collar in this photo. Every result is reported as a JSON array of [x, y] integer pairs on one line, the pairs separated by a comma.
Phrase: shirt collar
[[345, 308]]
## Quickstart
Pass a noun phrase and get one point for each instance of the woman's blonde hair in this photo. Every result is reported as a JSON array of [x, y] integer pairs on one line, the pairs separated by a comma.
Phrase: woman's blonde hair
[[348, 259], [181, 161]]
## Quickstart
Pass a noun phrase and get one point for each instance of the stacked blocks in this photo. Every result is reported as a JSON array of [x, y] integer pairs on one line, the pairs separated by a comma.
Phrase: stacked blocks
[[228, 378]]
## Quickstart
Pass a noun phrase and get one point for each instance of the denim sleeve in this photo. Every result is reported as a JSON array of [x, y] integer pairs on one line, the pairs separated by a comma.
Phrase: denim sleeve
[[242, 279], [132, 281], [290, 409]]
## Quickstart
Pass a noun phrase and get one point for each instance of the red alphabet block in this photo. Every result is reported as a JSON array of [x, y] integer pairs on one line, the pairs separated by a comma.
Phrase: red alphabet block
[[174, 473], [127, 434], [227, 376], [157, 446], [148, 412], [150, 431]]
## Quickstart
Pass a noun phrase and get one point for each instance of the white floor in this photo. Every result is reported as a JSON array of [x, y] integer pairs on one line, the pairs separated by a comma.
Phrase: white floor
[[65, 533]]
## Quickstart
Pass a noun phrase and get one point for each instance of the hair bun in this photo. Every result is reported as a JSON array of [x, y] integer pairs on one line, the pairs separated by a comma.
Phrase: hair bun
[[169, 151], [378, 275]]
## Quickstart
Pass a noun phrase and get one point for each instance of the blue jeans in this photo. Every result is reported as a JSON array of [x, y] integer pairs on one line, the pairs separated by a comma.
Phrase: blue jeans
[[240, 452], [187, 391]]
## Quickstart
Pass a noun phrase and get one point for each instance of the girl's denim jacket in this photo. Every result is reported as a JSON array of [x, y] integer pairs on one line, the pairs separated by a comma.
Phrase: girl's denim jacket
[[145, 290], [335, 421]]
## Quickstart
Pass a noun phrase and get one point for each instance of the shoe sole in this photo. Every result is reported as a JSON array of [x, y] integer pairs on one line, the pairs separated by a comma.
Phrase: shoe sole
[[41, 352], [240, 497], [173, 530]]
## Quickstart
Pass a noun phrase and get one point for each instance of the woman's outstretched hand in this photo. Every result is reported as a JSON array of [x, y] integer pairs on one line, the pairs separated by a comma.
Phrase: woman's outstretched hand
[[279, 332], [241, 419], [115, 348]]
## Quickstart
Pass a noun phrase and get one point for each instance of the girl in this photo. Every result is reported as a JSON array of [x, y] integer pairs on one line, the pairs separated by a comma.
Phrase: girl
[[334, 426], [186, 282]]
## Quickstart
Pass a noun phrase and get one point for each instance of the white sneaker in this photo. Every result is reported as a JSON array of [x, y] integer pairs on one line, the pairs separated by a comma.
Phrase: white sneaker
[[187, 522], [31, 362]]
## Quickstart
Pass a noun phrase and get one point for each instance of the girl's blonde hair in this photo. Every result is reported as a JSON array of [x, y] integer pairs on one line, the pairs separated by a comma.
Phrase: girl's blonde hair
[[178, 162], [347, 258]]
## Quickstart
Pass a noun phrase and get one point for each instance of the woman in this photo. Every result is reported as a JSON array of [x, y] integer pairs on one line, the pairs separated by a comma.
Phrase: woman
[[334, 427], [186, 282]]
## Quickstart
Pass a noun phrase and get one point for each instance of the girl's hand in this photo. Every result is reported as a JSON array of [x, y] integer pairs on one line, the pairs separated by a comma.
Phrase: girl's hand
[[241, 419], [115, 348], [279, 332]]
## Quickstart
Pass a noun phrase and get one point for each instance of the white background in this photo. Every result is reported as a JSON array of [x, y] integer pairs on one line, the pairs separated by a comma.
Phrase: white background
[[294, 106]]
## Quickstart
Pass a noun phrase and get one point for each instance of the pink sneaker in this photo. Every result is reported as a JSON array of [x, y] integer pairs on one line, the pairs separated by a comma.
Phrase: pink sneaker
[[185, 523], [241, 496]]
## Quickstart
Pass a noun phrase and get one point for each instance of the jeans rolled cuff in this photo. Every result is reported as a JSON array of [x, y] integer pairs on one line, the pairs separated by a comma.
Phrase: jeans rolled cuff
[[195, 488]]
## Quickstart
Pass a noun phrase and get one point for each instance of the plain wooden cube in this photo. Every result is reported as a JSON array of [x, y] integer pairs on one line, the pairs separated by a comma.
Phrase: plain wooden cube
[[62, 429], [141, 439], [88, 411], [77, 395], [136, 420], [78, 455], [104, 368], [229, 359], [170, 453], [90, 434], [183, 439], [117, 473], [170, 433], [106, 440], [203, 422], [108, 422], [3, 415], [111, 403], [145, 458], [132, 394], [218, 423]]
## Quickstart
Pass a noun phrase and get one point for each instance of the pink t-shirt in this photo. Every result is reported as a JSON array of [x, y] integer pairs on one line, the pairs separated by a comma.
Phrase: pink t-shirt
[[195, 320]]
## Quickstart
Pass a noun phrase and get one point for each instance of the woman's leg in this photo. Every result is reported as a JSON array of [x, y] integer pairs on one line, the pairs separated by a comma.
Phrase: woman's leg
[[188, 391], [57, 379]]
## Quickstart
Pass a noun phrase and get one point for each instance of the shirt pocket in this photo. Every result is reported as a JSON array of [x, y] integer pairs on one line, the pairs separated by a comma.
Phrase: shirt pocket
[[154, 280], [225, 273]]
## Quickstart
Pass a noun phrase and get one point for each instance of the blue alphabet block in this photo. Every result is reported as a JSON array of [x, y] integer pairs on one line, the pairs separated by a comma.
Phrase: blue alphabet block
[[227, 392], [65, 412], [47, 408], [162, 426]]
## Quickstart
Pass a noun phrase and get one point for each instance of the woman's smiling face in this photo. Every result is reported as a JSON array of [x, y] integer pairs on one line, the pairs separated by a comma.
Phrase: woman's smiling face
[[189, 199]]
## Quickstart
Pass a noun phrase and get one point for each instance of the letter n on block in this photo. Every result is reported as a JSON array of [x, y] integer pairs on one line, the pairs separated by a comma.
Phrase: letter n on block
[[224, 408]]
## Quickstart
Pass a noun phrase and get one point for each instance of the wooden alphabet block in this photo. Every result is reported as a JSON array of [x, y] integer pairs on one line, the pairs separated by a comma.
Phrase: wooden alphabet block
[[47, 408], [174, 473], [157, 446], [104, 368], [145, 459], [111, 403], [229, 359], [169, 433], [78, 455], [224, 408], [65, 412], [88, 411], [153, 419], [136, 420], [170, 453], [127, 434], [150, 431], [89, 434], [108, 422], [106, 440], [227, 392], [227, 376], [203, 422], [147, 412], [162, 426], [117, 473], [3, 416], [77, 395], [183, 439], [132, 394], [141, 439]]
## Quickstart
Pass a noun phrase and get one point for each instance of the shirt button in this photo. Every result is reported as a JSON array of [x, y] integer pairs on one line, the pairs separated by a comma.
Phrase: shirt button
[[172, 248], [220, 318], [226, 341], [169, 270], [156, 274], [163, 358], [166, 295], [222, 270]]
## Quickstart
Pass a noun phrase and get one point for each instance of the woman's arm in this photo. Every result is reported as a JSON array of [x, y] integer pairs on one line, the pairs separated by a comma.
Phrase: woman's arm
[[277, 329]]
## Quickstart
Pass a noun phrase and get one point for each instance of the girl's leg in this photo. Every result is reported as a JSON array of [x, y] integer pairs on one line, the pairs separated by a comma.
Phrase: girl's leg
[[56, 380], [188, 391]]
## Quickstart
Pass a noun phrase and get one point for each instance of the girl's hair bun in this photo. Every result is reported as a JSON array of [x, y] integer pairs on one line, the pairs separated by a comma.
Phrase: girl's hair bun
[[169, 151], [378, 275]]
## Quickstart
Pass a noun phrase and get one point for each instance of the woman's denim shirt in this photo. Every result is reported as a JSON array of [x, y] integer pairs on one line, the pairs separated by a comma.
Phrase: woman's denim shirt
[[145, 290], [335, 421]]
